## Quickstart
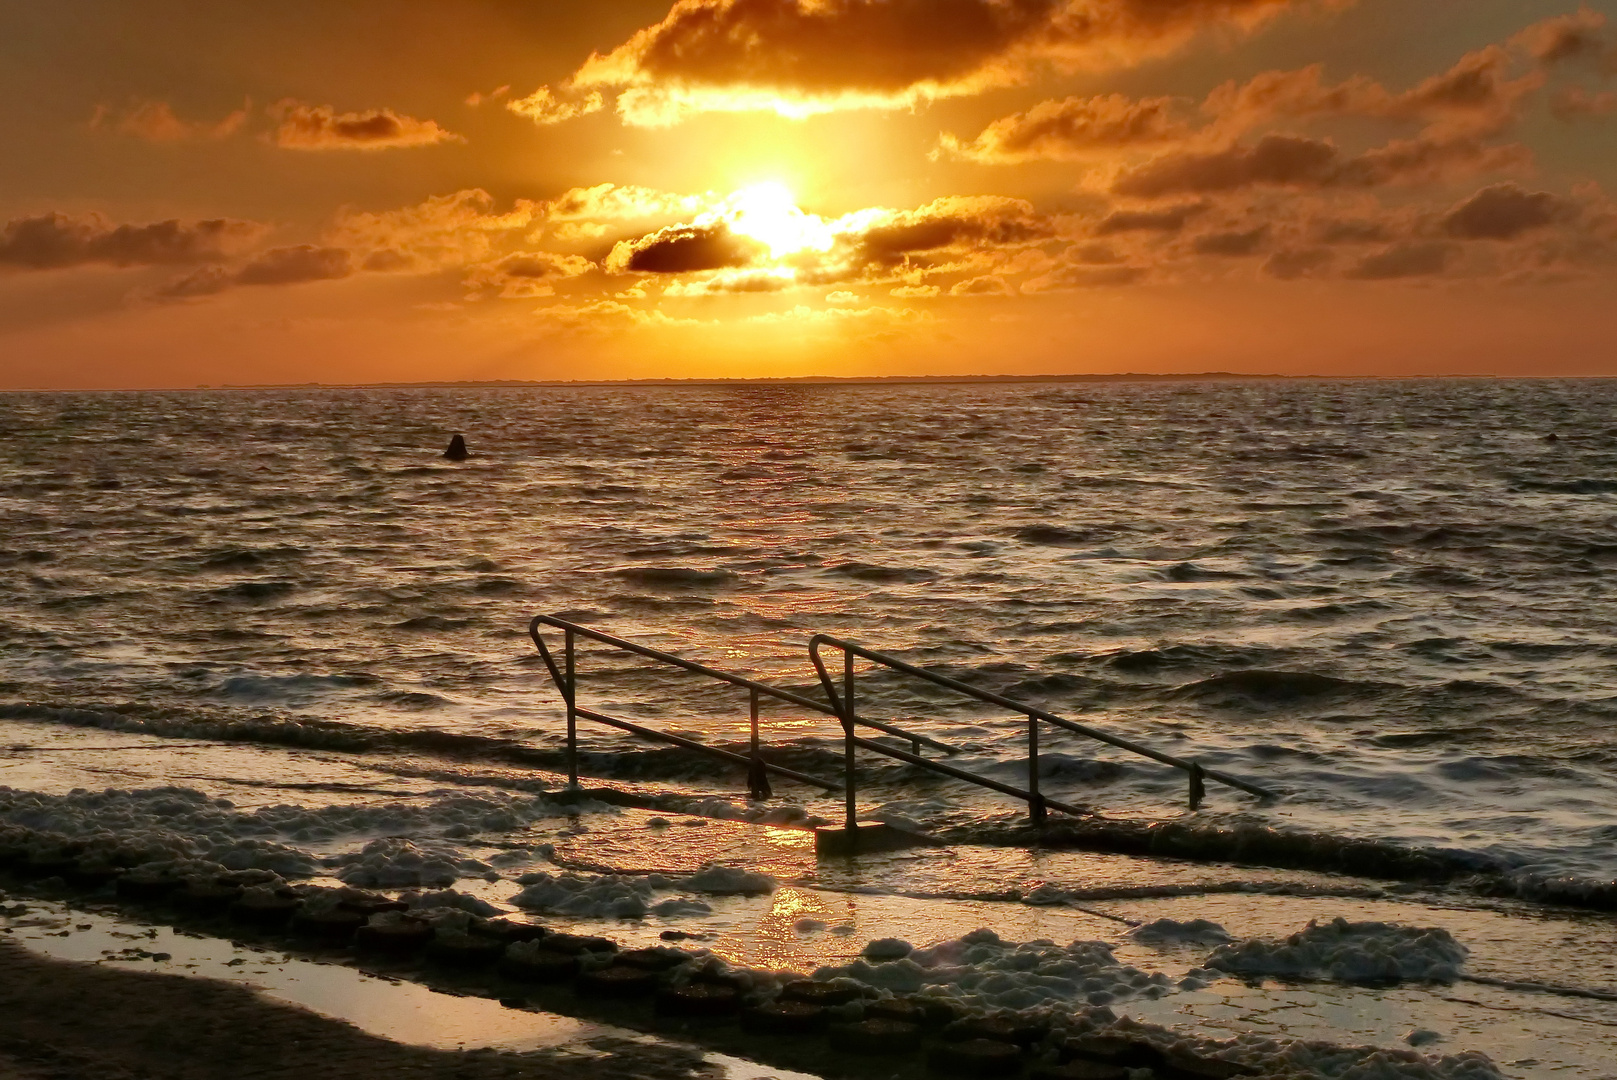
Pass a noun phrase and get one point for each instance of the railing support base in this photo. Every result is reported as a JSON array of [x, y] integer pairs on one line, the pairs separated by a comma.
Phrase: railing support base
[[866, 837]]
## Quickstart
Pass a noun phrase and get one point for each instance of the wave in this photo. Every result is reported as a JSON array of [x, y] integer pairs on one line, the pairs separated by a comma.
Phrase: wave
[[676, 577], [26, 557], [250, 592], [433, 624], [901, 575], [1580, 486], [233, 559], [1057, 536], [1267, 688], [1190, 572], [631, 762], [1254, 844], [1178, 656]]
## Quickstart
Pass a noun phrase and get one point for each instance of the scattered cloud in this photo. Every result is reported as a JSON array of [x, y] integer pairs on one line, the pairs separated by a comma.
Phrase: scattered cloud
[[985, 285], [155, 121], [768, 280], [302, 126], [442, 231], [477, 97], [54, 241], [1476, 96], [1578, 103], [622, 202], [545, 107]]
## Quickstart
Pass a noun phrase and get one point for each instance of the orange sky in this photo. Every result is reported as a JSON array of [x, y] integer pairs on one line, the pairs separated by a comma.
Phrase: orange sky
[[233, 193]]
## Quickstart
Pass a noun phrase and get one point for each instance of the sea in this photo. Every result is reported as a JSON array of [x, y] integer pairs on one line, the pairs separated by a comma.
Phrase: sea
[[1390, 602]]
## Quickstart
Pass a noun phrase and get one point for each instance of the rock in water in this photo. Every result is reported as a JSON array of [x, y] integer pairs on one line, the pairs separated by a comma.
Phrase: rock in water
[[457, 449]]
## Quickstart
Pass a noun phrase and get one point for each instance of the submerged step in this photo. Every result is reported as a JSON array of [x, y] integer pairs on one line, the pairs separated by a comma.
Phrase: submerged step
[[866, 837]]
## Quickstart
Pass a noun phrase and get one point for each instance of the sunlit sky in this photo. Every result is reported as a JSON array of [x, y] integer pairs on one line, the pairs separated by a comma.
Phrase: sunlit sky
[[222, 192]]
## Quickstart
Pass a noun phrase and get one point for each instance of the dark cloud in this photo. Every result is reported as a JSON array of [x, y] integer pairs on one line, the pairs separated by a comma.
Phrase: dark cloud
[[1292, 161], [958, 223], [1070, 276], [52, 241], [1426, 161], [683, 249], [277, 266], [1293, 263], [1074, 128], [320, 127], [207, 281], [1579, 36], [1352, 231], [823, 54], [387, 261], [1170, 219], [294, 265], [1505, 211], [1424, 259], [1276, 160], [1094, 254], [526, 274], [1231, 244]]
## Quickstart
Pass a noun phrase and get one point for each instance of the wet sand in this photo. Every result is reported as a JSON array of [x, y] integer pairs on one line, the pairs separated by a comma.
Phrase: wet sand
[[61, 1020]]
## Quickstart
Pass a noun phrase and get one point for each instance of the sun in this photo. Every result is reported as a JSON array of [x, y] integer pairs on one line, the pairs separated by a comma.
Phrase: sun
[[768, 213]]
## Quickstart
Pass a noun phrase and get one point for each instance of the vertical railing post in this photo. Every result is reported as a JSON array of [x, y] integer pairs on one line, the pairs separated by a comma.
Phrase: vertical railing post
[[849, 711], [757, 776], [572, 715], [1035, 805], [1198, 785]]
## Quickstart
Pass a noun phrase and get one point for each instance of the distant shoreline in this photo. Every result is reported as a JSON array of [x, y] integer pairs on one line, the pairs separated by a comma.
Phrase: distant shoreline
[[801, 380]]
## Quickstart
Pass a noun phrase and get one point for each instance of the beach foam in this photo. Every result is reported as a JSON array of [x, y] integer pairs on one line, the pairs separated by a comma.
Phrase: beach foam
[[981, 970], [1348, 952]]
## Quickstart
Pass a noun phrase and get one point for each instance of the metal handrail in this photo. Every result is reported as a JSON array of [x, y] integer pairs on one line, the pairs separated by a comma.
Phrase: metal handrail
[[564, 677], [1035, 800]]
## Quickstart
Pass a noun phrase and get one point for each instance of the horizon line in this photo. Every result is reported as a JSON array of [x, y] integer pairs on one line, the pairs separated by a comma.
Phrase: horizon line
[[800, 380]]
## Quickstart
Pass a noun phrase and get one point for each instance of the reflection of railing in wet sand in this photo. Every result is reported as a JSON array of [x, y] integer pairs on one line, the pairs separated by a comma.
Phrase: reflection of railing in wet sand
[[842, 706]]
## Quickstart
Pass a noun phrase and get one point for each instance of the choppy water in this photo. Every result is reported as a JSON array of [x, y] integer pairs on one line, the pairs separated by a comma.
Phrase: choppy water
[[1391, 599]]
